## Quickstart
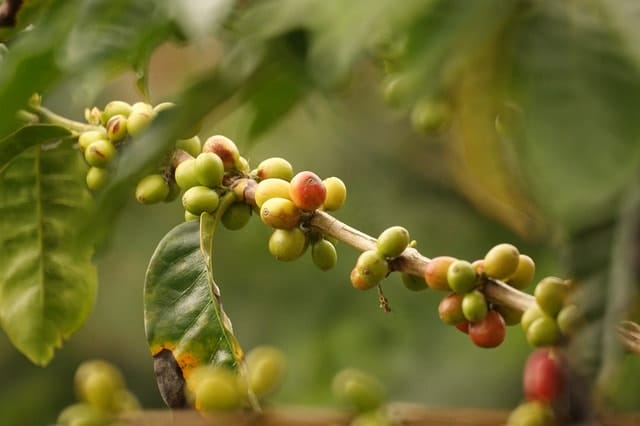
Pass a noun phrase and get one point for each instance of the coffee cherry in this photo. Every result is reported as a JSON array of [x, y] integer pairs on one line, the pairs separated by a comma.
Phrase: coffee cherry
[[139, 120], [142, 107], [323, 254], [96, 178], [523, 275], [199, 199], [543, 332], [371, 418], [209, 169], [372, 267], [271, 188], [569, 319], [115, 108], [174, 192], [463, 326], [530, 315], [185, 174], [531, 413], [125, 402], [435, 274], [188, 216], [152, 189], [430, 115], [117, 128], [192, 146], [461, 276], [550, 294], [359, 282], [86, 138], [358, 389], [450, 309], [501, 261], [243, 165], [224, 148], [307, 191], [82, 414], [489, 332], [544, 377], [218, 390], [96, 381], [236, 216], [100, 153], [392, 241], [274, 167], [413, 282], [267, 367], [478, 265], [280, 213], [474, 306], [510, 315], [287, 244], [336, 194]]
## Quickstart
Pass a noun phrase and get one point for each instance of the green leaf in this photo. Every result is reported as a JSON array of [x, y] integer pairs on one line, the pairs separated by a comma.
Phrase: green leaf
[[28, 136], [183, 309], [47, 280]]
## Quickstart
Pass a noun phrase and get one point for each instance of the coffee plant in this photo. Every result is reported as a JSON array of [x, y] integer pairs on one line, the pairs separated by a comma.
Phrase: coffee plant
[[524, 109]]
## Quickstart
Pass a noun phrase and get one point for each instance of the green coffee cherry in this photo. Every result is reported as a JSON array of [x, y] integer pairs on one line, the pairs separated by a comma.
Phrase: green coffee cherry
[[142, 107], [115, 108], [274, 167], [200, 199], [280, 213], [93, 116], [96, 382], [218, 390], [531, 413], [100, 153], [474, 306], [510, 315], [188, 216], [86, 138], [117, 128], [461, 276], [501, 261], [323, 254], [224, 148], [152, 189], [267, 367], [209, 169], [550, 294], [138, 121], [236, 216], [413, 282], [96, 178], [430, 115], [192, 146], [185, 174], [543, 331], [358, 389], [287, 244], [530, 315], [392, 241], [336, 194], [524, 273], [125, 402], [83, 414], [271, 188], [372, 267], [569, 319], [174, 192]]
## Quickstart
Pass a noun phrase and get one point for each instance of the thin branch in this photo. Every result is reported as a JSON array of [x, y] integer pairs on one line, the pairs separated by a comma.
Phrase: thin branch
[[48, 116]]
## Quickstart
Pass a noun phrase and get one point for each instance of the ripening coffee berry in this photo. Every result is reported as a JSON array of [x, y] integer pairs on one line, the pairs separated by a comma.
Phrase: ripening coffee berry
[[550, 294], [372, 267], [209, 169], [323, 254], [199, 199], [478, 265], [185, 174], [359, 282], [336, 194], [287, 244], [413, 282], [544, 375], [489, 332], [267, 367], [392, 241], [463, 326], [100, 153], [543, 331], [358, 389], [450, 309], [523, 275], [224, 148], [82, 413], [461, 276], [152, 189], [531, 413], [271, 188], [435, 274], [530, 315], [569, 319], [138, 121], [501, 261], [192, 146], [117, 128], [96, 178], [274, 167], [115, 108], [280, 213], [86, 138], [218, 390], [307, 191], [236, 216], [95, 381], [510, 315], [474, 306], [243, 165]]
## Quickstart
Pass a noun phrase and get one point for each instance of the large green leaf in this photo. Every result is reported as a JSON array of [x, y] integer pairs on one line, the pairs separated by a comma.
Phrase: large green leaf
[[185, 324], [28, 136], [47, 280]]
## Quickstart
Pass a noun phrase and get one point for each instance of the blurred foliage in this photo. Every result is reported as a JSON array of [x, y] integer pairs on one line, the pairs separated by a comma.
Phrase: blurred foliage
[[539, 148]]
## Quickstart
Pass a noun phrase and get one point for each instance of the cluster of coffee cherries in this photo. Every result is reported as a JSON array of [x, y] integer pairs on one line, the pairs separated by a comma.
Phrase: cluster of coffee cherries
[[102, 396], [362, 393]]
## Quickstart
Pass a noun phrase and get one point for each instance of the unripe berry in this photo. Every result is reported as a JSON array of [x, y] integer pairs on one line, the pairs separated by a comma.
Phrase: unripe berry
[[450, 309], [236, 216], [243, 165], [501, 261], [218, 391], [185, 174], [224, 148], [531, 413], [271, 188], [430, 115], [358, 389], [461, 276], [152, 189], [413, 282], [489, 332], [138, 121], [267, 367], [435, 274], [569, 319], [323, 254], [274, 167], [95, 381], [142, 107], [287, 244], [336, 194], [307, 191], [280, 213], [96, 178], [115, 108], [209, 169], [550, 294], [474, 306], [510, 315], [82, 413], [524, 273], [199, 199], [192, 146], [188, 216], [86, 138], [543, 332], [174, 192], [100, 153], [530, 315], [117, 128], [372, 267], [392, 241]]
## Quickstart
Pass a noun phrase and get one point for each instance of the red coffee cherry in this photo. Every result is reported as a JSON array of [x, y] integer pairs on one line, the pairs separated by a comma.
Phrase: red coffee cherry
[[450, 309], [489, 332], [307, 191], [544, 375], [225, 149], [435, 274]]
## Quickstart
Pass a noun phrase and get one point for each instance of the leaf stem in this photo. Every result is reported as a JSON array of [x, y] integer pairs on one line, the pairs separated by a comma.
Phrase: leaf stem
[[48, 116]]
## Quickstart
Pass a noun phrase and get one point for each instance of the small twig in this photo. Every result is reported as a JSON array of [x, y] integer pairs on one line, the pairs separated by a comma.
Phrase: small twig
[[48, 116], [384, 303]]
